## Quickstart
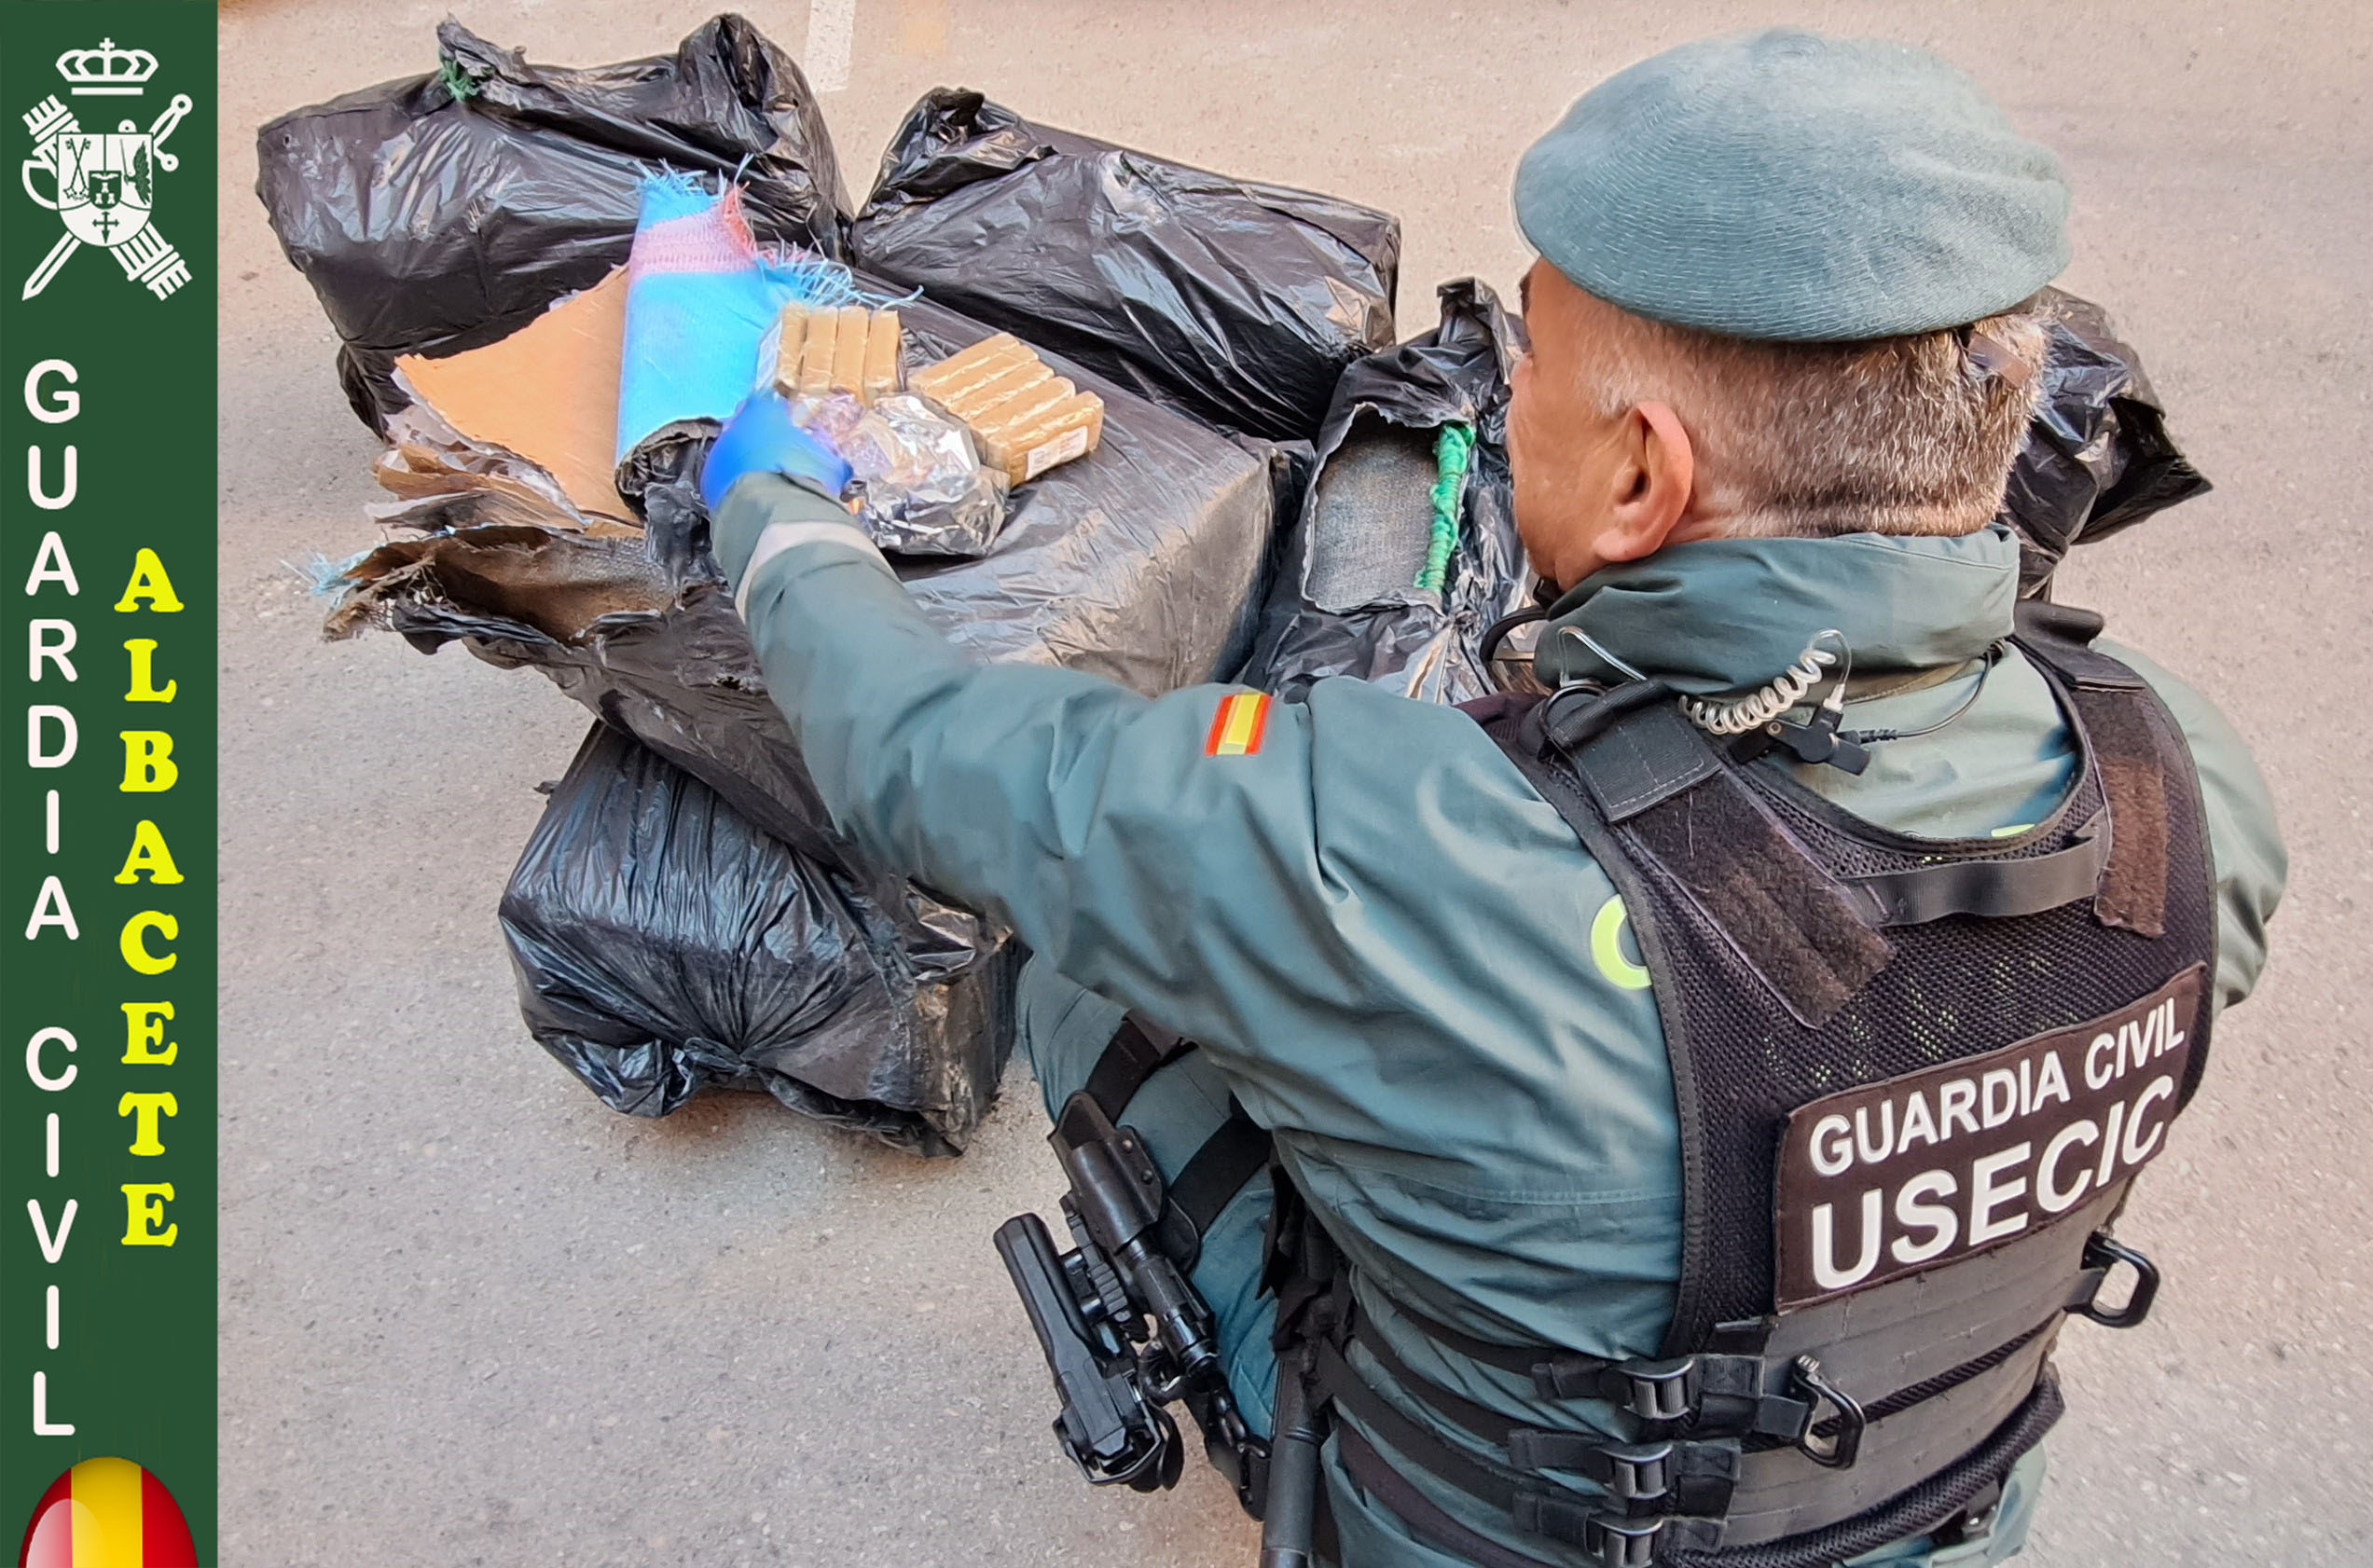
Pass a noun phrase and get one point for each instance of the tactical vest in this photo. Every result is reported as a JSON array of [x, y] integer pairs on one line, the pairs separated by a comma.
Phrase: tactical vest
[[1914, 1079]]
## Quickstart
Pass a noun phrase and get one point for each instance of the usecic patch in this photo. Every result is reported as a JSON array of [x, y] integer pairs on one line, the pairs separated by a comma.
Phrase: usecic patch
[[1236, 729]]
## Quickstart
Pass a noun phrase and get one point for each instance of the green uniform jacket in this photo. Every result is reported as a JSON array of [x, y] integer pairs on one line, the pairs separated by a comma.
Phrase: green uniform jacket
[[1395, 953]]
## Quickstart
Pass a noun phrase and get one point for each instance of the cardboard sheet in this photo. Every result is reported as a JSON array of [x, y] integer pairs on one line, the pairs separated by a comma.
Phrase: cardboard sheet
[[549, 392]]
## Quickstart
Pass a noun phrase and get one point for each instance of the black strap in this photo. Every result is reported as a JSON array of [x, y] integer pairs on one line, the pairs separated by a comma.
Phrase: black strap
[[1664, 1393], [1414, 1509], [1137, 1051], [1663, 1476], [1801, 931], [1216, 1172], [1995, 889], [2061, 636], [1648, 755], [1695, 1543], [1609, 1538], [1228, 1158], [1737, 1407], [1350, 1393], [1917, 1511]]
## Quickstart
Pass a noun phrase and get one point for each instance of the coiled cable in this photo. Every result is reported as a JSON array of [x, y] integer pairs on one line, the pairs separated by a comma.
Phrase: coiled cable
[[1788, 689]]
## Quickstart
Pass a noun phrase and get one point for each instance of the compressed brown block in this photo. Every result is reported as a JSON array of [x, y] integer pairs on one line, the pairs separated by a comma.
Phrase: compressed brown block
[[881, 356]]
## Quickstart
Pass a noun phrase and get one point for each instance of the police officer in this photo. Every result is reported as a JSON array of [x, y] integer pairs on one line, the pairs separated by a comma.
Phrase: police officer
[[1703, 1096]]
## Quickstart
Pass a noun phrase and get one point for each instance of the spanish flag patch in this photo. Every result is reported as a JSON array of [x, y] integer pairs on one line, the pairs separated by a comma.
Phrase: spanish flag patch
[[1236, 729]]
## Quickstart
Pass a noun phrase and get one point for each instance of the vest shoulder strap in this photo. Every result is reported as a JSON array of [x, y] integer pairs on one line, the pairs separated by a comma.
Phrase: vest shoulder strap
[[1225, 1163]]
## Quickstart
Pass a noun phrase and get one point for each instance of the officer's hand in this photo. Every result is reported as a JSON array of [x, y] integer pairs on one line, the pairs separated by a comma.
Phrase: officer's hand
[[760, 438]]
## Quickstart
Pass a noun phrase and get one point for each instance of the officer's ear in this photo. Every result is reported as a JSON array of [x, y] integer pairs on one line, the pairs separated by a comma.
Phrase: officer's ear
[[1651, 484]]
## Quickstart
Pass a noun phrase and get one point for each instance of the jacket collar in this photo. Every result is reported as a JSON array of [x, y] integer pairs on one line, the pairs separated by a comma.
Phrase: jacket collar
[[1728, 615]]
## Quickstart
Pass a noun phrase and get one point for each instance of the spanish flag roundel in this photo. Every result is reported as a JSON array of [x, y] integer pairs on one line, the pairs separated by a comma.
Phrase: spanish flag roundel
[[107, 1513]]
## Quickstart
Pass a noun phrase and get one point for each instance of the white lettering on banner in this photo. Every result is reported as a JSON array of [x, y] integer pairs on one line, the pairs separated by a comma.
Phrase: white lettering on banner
[[52, 1246], [40, 649], [2055, 1198], [61, 404], [48, 500], [33, 1071], [1883, 1180], [1824, 1264], [1917, 1208], [37, 722], [50, 565]]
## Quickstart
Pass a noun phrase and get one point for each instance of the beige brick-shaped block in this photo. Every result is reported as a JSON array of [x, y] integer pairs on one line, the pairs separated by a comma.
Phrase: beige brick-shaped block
[[882, 343]]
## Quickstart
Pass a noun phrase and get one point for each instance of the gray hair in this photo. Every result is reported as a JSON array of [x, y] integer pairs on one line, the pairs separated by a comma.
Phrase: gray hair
[[1907, 435]]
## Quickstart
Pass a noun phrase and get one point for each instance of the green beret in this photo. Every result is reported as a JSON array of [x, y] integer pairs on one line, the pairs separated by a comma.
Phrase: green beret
[[1788, 186]]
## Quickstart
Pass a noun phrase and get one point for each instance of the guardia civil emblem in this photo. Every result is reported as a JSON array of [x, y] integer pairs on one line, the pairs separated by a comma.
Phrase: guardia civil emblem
[[103, 184]]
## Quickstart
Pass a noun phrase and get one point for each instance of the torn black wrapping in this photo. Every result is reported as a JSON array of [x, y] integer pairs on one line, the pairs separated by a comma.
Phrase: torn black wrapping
[[2098, 458], [1141, 562], [663, 945], [444, 211], [1321, 618], [1237, 301]]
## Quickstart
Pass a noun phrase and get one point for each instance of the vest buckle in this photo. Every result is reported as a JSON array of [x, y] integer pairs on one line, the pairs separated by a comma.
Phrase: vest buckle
[[1639, 1472], [1651, 1390], [1659, 1390], [1622, 1542]]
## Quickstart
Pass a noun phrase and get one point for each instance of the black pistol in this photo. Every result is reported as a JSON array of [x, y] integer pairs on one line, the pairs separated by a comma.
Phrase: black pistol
[[1123, 1327], [1112, 1431]]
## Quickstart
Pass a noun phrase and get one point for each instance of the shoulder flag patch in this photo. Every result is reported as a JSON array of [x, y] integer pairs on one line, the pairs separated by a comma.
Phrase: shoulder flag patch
[[1236, 729]]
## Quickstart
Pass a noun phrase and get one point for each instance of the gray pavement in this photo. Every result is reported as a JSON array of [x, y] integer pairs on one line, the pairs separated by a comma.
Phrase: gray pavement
[[470, 1318]]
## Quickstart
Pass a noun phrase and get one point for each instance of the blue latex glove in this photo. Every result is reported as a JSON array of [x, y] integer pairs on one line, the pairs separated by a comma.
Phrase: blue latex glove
[[760, 438]]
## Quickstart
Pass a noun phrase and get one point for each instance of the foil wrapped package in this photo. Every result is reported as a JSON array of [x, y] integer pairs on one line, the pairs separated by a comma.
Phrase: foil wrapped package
[[921, 489]]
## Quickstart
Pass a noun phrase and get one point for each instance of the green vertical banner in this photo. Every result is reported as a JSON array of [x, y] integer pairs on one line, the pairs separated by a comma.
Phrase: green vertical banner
[[107, 786]]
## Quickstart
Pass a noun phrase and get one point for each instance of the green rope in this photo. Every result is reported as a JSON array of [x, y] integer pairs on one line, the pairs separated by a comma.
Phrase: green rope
[[456, 81], [1453, 443]]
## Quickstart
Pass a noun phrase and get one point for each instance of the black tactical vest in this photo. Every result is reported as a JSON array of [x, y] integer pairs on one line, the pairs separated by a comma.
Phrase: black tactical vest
[[1914, 1079]]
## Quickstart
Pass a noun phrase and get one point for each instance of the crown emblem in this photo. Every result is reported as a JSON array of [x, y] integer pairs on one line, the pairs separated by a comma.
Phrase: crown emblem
[[106, 71]]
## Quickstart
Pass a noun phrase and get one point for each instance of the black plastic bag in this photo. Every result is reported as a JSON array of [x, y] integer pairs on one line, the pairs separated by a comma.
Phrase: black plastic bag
[[1142, 561], [663, 945], [1238, 302], [2098, 458], [1345, 599], [444, 211]]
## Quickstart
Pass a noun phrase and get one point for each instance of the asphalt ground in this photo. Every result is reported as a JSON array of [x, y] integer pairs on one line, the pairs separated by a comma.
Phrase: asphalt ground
[[470, 1317]]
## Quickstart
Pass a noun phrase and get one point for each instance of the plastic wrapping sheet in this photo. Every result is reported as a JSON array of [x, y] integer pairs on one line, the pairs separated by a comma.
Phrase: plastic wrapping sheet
[[1141, 562], [443, 211], [663, 945], [1238, 302], [1346, 601], [2098, 458]]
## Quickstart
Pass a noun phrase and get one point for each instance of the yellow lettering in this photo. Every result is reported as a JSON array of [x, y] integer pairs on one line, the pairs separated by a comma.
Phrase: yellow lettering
[[143, 1208], [144, 651], [134, 946], [149, 767], [144, 1109], [149, 582], [144, 1028], [148, 854]]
